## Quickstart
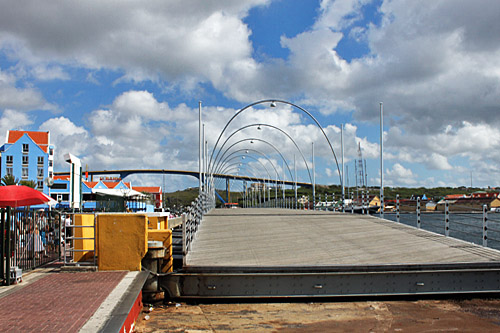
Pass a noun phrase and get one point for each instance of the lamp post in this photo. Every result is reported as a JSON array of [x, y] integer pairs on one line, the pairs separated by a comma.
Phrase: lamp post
[[381, 160], [199, 146], [343, 179]]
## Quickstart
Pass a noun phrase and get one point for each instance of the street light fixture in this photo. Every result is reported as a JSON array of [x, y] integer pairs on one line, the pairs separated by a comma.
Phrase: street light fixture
[[273, 104]]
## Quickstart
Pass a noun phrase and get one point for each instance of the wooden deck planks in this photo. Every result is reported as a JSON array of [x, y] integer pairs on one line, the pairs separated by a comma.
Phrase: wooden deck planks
[[277, 237]]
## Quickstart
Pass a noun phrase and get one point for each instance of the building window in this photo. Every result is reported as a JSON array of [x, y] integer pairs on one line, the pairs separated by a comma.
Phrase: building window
[[51, 151], [25, 159], [39, 184], [10, 171], [40, 160], [26, 148], [40, 172], [50, 163], [9, 159], [50, 174], [25, 173]]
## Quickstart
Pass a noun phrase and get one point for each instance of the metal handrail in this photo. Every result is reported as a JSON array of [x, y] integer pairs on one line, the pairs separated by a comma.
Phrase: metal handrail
[[204, 203]]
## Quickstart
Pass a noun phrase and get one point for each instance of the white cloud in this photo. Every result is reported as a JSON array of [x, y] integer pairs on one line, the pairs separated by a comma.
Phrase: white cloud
[[20, 99], [13, 120], [399, 175], [67, 138], [176, 40]]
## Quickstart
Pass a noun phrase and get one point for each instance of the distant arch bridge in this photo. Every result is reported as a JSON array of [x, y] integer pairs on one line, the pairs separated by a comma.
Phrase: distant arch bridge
[[127, 172]]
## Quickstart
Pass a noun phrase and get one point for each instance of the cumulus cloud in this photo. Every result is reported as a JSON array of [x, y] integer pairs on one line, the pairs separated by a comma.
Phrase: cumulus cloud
[[399, 175], [20, 99], [435, 67], [174, 39], [67, 138], [14, 120]]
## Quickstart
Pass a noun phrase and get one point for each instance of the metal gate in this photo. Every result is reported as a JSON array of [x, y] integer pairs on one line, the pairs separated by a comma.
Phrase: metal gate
[[28, 239]]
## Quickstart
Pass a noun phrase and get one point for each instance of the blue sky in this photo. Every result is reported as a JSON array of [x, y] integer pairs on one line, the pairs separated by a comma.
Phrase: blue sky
[[119, 86]]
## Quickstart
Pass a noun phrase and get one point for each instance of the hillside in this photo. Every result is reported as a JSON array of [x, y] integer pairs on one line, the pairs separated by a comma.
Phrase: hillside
[[176, 201]]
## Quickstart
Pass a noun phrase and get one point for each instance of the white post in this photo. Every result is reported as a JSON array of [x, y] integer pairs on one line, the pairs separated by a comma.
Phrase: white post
[[284, 175], [295, 171], [199, 146], [381, 160]]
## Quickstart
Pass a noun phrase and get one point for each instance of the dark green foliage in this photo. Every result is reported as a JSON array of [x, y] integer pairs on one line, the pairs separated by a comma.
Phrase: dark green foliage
[[9, 180]]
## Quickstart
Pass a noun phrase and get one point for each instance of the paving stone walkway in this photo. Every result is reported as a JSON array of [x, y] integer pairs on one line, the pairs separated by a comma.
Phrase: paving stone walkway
[[55, 301]]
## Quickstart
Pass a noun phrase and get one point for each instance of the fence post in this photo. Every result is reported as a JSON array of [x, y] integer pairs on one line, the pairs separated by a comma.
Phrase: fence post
[[418, 213], [352, 203], [446, 219], [397, 208], [485, 226], [2, 247], [363, 202], [7, 249]]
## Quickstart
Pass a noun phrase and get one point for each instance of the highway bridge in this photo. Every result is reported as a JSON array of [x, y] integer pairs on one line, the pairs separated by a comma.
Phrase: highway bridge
[[126, 172]]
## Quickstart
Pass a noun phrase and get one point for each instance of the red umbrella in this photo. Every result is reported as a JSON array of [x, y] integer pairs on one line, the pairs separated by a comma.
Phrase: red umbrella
[[19, 195]]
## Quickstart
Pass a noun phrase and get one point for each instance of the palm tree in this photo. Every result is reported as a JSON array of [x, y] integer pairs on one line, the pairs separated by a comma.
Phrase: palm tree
[[9, 180], [29, 183]]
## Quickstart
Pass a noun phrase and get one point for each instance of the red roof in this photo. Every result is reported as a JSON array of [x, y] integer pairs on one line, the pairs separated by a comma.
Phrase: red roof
[[114, 184], [148, 189], [40, 138], [90, 184], [454, 196]]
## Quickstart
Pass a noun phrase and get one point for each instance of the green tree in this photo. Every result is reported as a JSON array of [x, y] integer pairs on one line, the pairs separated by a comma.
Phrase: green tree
[[29, 183], [9, 180]]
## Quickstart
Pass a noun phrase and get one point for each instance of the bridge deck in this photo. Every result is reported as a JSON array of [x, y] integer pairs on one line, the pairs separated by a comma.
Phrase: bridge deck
[[253, 239]]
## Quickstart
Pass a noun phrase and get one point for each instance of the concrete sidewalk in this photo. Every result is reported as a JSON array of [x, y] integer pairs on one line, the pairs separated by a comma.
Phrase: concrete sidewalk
[[54, 300]]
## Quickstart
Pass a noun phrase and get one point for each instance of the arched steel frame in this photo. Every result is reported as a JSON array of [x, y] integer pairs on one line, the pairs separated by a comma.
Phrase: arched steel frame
[[283, 102]]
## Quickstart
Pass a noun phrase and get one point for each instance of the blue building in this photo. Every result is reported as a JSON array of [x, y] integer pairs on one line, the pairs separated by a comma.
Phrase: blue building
[[28, 155]]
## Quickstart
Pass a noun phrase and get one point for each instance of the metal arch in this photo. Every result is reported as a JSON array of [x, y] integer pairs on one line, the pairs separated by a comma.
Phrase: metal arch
[[228, 167], [254, 178], [250, 149], [270, 144], [271, 126], [284, 102]]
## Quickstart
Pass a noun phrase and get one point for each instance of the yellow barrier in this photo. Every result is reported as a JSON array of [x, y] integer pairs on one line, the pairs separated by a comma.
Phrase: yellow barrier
[[122, 241], [84, 248], [164, 236]]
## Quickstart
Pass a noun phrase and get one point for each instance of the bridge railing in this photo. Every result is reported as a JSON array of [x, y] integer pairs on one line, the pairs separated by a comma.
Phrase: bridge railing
[[202, 205]]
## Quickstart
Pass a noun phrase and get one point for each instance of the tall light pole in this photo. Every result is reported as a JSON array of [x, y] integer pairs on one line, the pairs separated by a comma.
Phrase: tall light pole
[[199, 145], [342, 151], [381, 160]]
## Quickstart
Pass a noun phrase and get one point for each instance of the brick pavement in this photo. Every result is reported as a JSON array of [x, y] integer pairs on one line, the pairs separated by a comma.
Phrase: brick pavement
[[58, 302]]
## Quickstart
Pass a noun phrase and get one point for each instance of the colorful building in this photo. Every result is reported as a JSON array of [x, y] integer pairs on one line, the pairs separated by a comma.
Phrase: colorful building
[[107, 195], [28, 155]]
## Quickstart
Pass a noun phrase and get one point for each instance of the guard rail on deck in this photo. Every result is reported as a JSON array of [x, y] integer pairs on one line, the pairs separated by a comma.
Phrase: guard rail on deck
[[203, 204]]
